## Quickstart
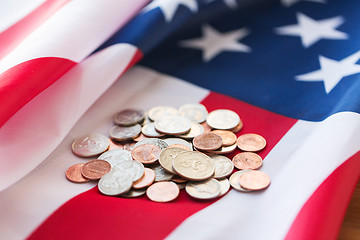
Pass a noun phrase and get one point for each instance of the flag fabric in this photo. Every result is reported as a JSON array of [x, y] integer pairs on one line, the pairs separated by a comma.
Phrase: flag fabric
[[289, 68]]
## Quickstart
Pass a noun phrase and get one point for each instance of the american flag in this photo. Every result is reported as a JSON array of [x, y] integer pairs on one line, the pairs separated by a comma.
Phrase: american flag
[[289, 68]]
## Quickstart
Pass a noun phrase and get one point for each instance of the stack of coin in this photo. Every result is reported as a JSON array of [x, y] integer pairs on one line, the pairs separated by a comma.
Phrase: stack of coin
[[167, 149]]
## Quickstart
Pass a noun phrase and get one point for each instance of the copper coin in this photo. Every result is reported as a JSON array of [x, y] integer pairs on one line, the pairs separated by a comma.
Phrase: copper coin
[[73, 174], [146, 153], [146, 180], [251, 142], [95, 169], [163, 192], [254, 180], [114, 146], [206, 127], [140, 137], [178, 179], [119, 133], [129, 117], [207, 141], [228, 137], [238, 127], [90, 145], [179, 146], [247, 160]]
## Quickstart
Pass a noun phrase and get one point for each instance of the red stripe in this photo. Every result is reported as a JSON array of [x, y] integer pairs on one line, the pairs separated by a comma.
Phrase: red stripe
[[91, 215], [322, 215], [12, 36], [21, 83]]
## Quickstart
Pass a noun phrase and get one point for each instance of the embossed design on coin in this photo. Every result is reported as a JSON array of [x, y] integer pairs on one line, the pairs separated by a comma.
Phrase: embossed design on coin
[[116, 156], [73, 174], [115, 182], [196, 112], [251, 142], [207, 142], [160, 173], [195, 166], [223, 119], [160, 111], [247, 160], [134, 193], [158, 142], [133, 168], [172, 141], [254, 180], [119, 133], [163, 192], [128, 117], [224, 186], [167, 156], [195, 130], [172, 125], [146, 180], [150, 131], [146, 153], [228, 137], [90, 145], [95, 169], [223, 166], [203, 190], [234, 181]]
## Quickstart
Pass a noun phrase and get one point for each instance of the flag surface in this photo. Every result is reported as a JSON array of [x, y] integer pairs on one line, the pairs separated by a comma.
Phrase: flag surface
[[289, 68]]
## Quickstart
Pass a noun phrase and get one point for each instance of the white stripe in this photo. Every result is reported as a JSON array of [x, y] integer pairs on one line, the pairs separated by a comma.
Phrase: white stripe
[[14, 10], [29, 201], [298, 164], [74, 31]]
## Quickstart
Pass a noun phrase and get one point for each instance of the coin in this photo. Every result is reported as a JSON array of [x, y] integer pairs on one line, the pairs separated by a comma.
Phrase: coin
[[237, 128], [178, 179], [195, 166], [223, 166], [160, 173], [254, 180], [128, 117], [196, 112], [90, 145], [203, 190], [207, 142], [179, 146], [234, 180], [172, 141], [223, 119], [133, 168], [146, 180], [228, 137], [172, 125], [158, 142], [223, 150], [247, 160], [113, 146], [95, 169], [163, 192], [150, 131], [160, 111], [115, 182], [224, 186], [251, 142], [116, 156], [129, 146], [167, 156], [206, 127], [195, 130], [146, 153], [134, 193], [73, 174], [119, 133], [181, 185], [140, 137]]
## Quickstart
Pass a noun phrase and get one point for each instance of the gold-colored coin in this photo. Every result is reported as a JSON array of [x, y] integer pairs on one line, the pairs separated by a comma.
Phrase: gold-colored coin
[[167, 156], [223, 119], [251, 142], [195, 130], [204, 190], [247, 160], [195, 166]]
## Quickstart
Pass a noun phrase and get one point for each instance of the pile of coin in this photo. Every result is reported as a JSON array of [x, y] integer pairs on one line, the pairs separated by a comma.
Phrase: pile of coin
[[160, 152]]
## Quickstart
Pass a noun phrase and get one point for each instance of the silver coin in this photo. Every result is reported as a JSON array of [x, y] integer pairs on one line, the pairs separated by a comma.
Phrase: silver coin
[[172, 141], [224, 186], [223, 149], [196, 112], [133, 168], [149, 130], [167, 156], [115, 182], [160, 111], [172, 125], [181, 185], [119, 133], [223, 119], [161, 174], [128, 117], [204, 190], [155, 141], [90, 145], [116, 156], [234, 180], [223, 166], [134, 193], [195, 130]]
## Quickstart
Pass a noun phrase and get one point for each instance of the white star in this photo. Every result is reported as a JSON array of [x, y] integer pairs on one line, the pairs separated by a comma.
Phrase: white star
[[213, 42], [288, 3], [169, 7], [332, 71], [312, 31]]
